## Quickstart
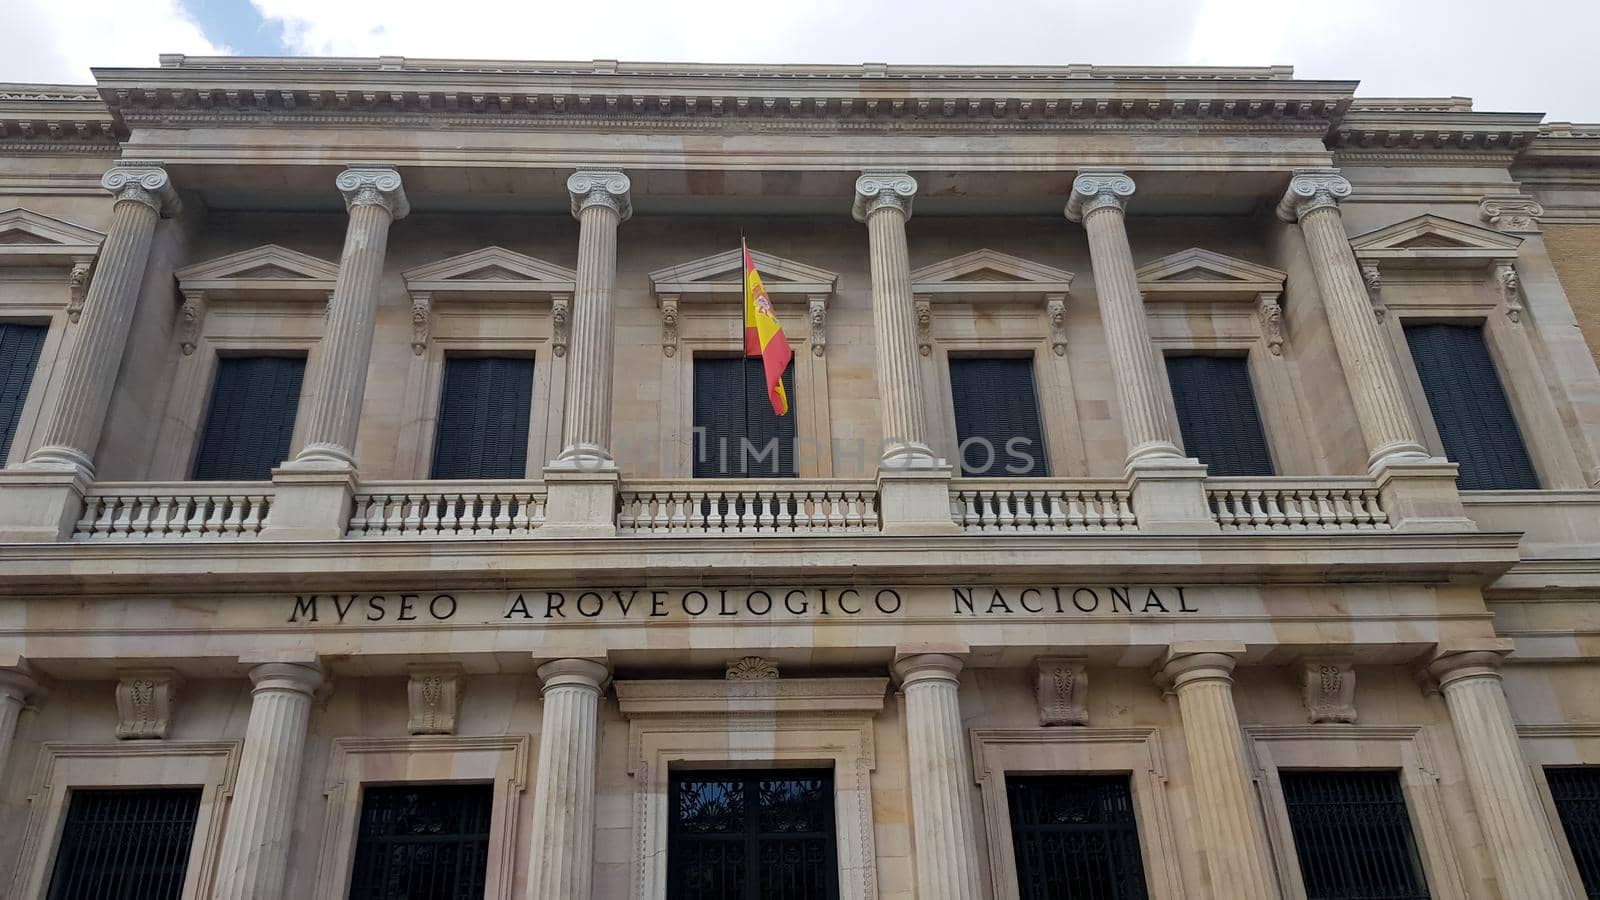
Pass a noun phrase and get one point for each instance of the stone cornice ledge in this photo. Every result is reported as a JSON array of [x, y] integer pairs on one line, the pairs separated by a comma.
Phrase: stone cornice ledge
[[778, 695]]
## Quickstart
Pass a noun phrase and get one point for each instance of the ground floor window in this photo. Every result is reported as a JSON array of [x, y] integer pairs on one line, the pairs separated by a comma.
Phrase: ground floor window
[[422, 842], [1352, 833], [751, 835], [126, 844], [1075, 837], [1576, 791]]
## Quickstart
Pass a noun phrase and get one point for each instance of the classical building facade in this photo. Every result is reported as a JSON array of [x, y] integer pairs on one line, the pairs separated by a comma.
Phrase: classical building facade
[[1191, 487]]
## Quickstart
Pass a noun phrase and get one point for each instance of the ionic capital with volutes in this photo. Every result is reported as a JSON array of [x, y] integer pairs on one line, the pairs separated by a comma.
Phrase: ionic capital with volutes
[[374, 186], [142, 182], [601, 187], [1312, 189], [883, 190], [1096, 189]]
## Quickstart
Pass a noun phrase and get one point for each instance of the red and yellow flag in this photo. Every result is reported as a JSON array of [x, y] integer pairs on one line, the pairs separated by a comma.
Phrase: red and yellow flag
[[763, 335]]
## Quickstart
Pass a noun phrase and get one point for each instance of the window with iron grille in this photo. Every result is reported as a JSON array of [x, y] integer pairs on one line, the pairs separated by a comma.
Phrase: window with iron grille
[[737, 435], [1217, 414], [125, 844], [422, 842], [19, 356], [1352, 833], [251, 419], [997, 417], [1470, 408], [484, 404], [1075, 837], [1576, 791], [751, 835]]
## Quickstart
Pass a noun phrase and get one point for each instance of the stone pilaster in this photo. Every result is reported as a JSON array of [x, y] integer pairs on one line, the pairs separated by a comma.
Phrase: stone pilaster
[[1232, 835], [1313, 200], [563, 801], [941, 801], [375, 200], [600, 203], [255, 842], [16, 686], [1516, 831]]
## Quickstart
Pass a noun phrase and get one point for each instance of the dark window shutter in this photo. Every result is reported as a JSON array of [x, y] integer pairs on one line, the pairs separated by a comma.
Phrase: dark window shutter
[[995, 403], [251, 420], [19, 356], [1352, 835], [484, 405], [731, 406], [1470, 408], [125, 843], [1217, 413], [1576, 791]]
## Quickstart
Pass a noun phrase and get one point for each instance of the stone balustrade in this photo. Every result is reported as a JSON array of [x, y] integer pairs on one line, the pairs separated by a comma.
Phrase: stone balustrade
[[1297, 504], [1038, 506], [748, 506], [184, 510], [478, 508]]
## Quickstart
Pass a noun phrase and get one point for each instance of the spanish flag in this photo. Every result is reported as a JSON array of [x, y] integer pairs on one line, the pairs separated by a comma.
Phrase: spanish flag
[[763, 336]]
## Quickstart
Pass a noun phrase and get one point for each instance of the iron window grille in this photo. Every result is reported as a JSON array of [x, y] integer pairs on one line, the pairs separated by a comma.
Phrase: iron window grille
[[1352, 834], [1576, 791], [423, 842], [1075, 837], [125, 844], [751, 835]]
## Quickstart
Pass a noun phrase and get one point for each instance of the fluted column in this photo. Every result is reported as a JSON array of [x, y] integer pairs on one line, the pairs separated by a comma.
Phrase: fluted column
[[1527, 862], [563, 800], [1313, 201], [1098, 200], [883, 202], [144, 195], [600, 202], [1233, 836], [15, 688], [941, 803], [255, 841], [375, 199]]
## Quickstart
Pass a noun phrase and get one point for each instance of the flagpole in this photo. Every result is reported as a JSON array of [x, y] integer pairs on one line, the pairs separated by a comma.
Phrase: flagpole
[[744, 331]]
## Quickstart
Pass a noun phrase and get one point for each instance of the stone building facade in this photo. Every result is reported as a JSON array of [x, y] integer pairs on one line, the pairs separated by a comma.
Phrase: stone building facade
[[1229, 590]]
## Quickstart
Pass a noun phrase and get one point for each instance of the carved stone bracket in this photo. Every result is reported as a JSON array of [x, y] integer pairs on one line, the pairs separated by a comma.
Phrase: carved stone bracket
[[669, 324], [145, 699], [1328, 688], [190, 317], [434, 695], [327, 306], [1374, 282], [560, 323], [1055, 309], [421, 321], [78, 286], [1061, 687], [1505, 275], [1513, 214], [817, 312], [1271, 311], [924, 325], [752, 668]]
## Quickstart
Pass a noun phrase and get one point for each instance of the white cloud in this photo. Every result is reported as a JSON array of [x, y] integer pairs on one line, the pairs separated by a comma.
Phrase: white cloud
[[59, 40]]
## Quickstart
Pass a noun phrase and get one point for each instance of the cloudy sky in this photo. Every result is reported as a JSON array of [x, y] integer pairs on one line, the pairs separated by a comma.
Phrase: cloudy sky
[[1529, 55]]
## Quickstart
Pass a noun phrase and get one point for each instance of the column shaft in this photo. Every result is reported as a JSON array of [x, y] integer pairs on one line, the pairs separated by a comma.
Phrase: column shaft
[[600, 203], [255, 844], [883, 202], [563, 803], [941, 802], [15, 686]]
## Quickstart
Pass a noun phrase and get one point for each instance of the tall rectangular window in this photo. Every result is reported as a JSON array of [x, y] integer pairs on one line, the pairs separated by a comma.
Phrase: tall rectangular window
[[484, 404], [1217, 414], [422, 842], [1576, 791], [1470, 408], [751, 835], [251, 419], [125, 843], [19, 356], [737, 435], [1352, 833], [997, 417], [1075, 837]]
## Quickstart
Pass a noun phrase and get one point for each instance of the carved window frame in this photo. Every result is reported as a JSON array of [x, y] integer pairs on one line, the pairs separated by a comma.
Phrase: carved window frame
[[1402, 748], [431, 759], [1136, 752], [1559, 745], [62, 767]]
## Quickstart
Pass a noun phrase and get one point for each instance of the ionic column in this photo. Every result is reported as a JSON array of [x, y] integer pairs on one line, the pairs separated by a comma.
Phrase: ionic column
[[255, 843], [941, 804], [1313, 201], [563, 799], [1233, 836], [375, 199], [600, 202], [144, 195], [15, 688], [883, 201], [1516, 831]]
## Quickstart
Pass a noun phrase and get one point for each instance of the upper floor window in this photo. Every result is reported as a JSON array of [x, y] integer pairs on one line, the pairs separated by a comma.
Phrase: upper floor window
[[997, 417], [19, 356], [1075, 836], [1217, 414], [736, 433], [137, 840], [251, 420], [1469, 407], [1352, 834], [1576, 791], [422, 840], [484, 405]]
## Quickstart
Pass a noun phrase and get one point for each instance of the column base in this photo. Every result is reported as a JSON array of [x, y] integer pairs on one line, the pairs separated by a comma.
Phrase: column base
[[1169, 495], [320, 458], [310, 504], [40, 506], [580, 501], [1422, 496], [916, 500]]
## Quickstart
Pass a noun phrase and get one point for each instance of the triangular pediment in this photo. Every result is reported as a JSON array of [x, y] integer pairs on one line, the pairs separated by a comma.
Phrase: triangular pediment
[[1435, 240], [28, 238], [990, 274], [266, 270], [1196, 274], [723, 273], [490, 273]]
